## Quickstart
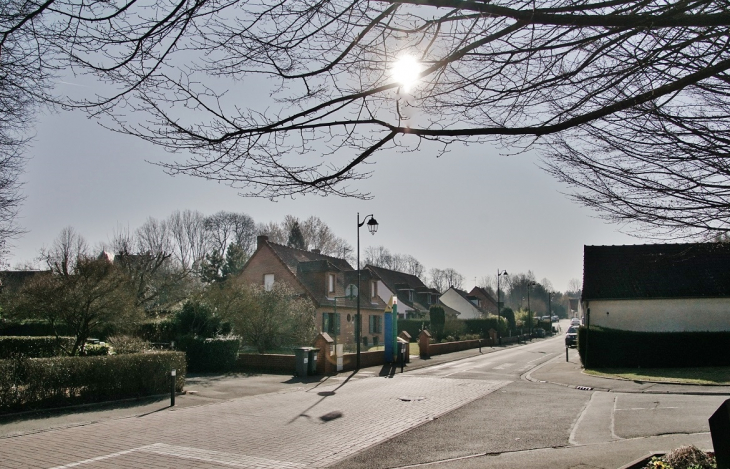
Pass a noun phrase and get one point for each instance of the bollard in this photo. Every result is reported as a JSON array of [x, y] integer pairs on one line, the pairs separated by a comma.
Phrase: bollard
[[173, 373], [566, 354]]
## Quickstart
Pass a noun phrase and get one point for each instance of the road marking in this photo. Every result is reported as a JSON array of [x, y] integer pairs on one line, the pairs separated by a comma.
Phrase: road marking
[[503, 366], [647, 408], [197, 454]]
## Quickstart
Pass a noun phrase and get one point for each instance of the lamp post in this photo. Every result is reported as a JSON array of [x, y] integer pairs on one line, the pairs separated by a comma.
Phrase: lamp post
[[372, 228], [529, 311], [499, 306]]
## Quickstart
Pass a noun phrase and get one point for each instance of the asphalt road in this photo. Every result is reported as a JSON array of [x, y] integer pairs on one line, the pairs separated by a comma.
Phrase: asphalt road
[[527, 419]]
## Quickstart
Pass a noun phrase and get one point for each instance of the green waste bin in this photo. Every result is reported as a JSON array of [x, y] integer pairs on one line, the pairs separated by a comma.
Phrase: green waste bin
[[301, 357], [312, 368]]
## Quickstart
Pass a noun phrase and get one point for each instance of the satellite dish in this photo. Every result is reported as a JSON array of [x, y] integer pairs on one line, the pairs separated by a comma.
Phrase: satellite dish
[[351, 291]]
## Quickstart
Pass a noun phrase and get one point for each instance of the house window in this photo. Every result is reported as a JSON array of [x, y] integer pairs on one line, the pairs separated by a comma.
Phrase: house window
[[331, 284], [268, 282], [376, 324], [331, 323], [410, 295], [373, 289]]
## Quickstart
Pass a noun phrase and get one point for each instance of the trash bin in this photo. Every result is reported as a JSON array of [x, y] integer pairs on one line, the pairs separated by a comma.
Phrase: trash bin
[[301, 357], [312, 365]]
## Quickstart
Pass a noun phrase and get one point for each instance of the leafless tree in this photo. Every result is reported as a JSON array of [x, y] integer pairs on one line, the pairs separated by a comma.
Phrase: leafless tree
[[224, 228], [65, 252], [627, 100], [187, 229]]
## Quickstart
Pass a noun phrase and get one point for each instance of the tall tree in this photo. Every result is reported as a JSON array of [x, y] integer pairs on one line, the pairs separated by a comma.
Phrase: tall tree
[[296, 239], [187, 230]]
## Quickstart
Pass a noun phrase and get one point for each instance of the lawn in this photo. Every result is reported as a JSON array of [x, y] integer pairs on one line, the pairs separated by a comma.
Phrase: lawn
[[705, 375]]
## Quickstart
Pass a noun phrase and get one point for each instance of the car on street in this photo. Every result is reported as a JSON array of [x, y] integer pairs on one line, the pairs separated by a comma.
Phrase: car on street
[[571, 337], [538, 332], [575, 322], [555, 318]]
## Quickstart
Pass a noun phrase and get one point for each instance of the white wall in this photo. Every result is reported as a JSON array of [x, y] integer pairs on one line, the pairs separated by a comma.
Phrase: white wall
[[661, 315], [386, 294], [465, 307]]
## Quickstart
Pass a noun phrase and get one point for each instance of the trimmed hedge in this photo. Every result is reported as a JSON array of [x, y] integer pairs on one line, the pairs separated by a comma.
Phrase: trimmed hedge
[[33, 347], [41, 327], [209, 355], [35, 383], [482, 326], [613, 348], [413, 327]]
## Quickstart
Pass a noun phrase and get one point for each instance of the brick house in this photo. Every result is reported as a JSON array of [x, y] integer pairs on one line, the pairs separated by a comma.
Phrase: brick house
[[483, 300], [323, 279], [658, 287], [414, 297]]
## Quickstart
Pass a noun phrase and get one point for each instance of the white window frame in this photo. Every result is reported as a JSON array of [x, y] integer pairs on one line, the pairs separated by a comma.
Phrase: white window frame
[[331, 284], [269, 280]]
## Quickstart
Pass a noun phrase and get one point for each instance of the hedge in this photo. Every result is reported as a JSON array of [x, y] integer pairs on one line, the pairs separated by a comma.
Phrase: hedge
[[613, 348], [35, 383], [41, 327], [34, 347], [209, 355], [413, 327]]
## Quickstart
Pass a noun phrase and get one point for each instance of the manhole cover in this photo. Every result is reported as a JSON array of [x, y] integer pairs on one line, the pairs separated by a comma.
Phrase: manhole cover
[[411, 398]]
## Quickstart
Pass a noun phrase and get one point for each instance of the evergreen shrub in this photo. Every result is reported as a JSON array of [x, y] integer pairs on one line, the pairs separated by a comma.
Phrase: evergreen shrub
[[209, 355], [35, 383], [34, 347]]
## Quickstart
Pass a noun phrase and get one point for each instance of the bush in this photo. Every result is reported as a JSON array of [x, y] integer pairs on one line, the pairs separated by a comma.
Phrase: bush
[[34, 347], [413, 326], [438, 320], [34, 383], [196, 318], [125, 344], [209, 355], [613, 348], [158, 331], [32, 327], [482, 326], [95, 350]]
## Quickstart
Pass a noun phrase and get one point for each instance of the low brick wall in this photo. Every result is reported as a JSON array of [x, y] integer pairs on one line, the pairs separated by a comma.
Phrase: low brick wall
[[449, 347], [272, 363]]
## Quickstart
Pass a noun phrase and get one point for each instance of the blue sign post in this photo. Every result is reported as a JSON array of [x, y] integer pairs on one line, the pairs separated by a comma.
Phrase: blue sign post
[[390, 339]]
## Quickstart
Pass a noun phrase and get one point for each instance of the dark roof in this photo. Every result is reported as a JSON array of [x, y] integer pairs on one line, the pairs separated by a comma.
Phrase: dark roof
[[656, 271], [483, 293], [292, 257], [12, 279], [399, 282]]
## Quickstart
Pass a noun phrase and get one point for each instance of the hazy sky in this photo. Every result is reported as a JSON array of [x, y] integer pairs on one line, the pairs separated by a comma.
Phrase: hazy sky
[[472, 210]]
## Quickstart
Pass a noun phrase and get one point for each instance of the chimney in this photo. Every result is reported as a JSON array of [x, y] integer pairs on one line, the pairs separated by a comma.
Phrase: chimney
[[316, 251], [261, 240]]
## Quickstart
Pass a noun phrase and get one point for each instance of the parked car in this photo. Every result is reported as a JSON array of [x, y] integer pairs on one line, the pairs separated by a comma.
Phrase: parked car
[[538, 332], [555, 318], [575, 322], [571, 337], [545, 318]]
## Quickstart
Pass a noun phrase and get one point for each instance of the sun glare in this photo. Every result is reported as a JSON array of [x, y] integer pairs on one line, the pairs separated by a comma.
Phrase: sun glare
[[406, 71]]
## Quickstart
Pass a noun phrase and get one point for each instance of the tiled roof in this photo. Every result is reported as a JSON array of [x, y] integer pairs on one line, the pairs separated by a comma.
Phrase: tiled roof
[[398, 281], [292, 257], [693, 270]]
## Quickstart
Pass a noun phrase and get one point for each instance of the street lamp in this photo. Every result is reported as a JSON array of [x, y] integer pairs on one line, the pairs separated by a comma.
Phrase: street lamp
[[499, 307], [372, 228], [529, 311]]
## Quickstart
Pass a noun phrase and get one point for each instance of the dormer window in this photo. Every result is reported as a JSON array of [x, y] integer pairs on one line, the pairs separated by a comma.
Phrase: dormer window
[[373, 289], [410, 295], [330, 284]]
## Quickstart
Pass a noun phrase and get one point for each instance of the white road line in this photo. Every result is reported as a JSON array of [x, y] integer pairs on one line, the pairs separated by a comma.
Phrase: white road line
[[197, 454], [99, 458], [503, 366]]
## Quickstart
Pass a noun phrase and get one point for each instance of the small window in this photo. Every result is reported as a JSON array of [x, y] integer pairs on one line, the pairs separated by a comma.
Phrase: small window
[[268, 282], [331, 283], [373, 289], [376, 324], [410, 295], [331, 323]]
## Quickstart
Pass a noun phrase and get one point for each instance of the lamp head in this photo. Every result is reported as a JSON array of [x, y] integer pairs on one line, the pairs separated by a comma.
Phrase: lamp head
[[372, 225]]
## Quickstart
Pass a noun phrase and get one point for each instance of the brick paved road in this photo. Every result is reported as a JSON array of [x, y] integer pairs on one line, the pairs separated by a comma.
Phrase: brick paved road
[[303, 429]]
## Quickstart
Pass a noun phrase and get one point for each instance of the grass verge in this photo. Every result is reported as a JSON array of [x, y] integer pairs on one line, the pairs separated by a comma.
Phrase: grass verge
[[705, 375]]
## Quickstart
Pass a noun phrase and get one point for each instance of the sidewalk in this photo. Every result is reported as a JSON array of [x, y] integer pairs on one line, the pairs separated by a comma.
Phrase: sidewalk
[[570, 374]]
